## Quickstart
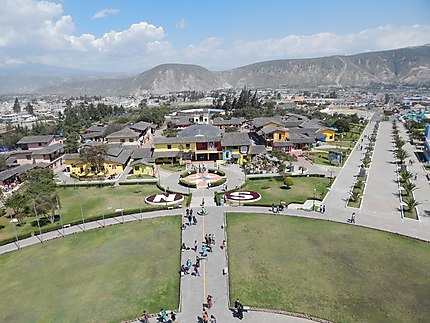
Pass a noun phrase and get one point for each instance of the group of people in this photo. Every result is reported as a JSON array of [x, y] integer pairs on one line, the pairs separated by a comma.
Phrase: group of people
[[321, 209], [205, 317], [238, 307], [190, 219], [277, 208], [164, 317]]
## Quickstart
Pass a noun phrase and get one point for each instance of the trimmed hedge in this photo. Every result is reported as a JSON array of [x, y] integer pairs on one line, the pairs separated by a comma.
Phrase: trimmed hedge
[[183, 182], [137, 183], [13, 239], [216, 171], [87, 184], [187, 172], [219, 182]]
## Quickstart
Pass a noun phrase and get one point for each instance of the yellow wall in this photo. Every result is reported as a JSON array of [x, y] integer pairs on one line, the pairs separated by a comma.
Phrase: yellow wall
[[110, 168], [284, 136], [142, 169], [175, 147], [329, 134]]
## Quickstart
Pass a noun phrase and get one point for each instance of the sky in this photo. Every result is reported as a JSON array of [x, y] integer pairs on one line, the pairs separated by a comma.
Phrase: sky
[[132, 36]]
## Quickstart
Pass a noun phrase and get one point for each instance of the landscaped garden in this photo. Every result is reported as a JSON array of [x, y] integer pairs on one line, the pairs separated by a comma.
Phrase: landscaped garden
[[95, 200], [334, 271], [103, 275], [273, 189]]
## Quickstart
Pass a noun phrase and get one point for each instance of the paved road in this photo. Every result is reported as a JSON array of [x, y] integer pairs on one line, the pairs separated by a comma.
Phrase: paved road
[[381, 193]]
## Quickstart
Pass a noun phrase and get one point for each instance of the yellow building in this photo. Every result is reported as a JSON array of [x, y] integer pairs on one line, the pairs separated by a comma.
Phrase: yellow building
[[115, 163], [329, 134], [143, 168]]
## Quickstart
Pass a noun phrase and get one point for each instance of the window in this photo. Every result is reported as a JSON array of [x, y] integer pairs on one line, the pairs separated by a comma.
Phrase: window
[[28, 157], [113, 166], [187, 146], [40, 144], [169, 146], [280, 136], [211, 145], [131, 140], [122, 140]]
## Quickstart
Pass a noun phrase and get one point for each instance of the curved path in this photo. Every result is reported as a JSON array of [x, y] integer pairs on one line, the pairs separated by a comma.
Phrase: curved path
[[213, 279]]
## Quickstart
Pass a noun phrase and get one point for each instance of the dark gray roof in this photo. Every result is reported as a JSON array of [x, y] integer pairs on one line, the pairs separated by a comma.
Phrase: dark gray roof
[[257, 150], [95, 128], [141, 126], [292, 123], [164, 154], [259, 122], [196, 130], [174, 140], [235, 139], [181, 121], [139, 153], [8, 173], [48, 149], [271, 129], [301, 138], [35, 139], [71, 156], [144, 161], [120, 158], [114, 151], [92, 135], [282, 144], [123, 133], [233, 121]]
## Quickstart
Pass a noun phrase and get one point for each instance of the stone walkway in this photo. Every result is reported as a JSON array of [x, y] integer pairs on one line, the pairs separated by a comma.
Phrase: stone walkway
[[213, 279]]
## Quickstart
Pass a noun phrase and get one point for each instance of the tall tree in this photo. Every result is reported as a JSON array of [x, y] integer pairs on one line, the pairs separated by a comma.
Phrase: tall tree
[[29, 108], [16, 106], [95, 156]]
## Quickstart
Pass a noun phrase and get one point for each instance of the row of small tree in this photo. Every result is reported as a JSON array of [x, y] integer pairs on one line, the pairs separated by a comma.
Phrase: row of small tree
[[404, 176]]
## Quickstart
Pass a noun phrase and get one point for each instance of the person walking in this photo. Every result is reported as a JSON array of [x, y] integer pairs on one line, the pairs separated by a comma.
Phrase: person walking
[[172, 316], [204, 316], [323, 209], [353, 217], [197, 261], [213, 319], [196, 245], [190, 219], [145, 317], [194, 219], [188, 264]]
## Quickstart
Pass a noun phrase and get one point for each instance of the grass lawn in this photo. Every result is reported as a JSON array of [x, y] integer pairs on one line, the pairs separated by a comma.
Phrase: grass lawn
[[172, 168], [344, 144], [321, 158], [329, 270], [141, 177], [103, 275], [272, 189], [94, 200]]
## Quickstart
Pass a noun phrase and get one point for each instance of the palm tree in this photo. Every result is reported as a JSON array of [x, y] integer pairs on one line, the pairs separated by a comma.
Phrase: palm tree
[[411, 204], [402, 155], [406, 176], [355, 196], [409, 187]]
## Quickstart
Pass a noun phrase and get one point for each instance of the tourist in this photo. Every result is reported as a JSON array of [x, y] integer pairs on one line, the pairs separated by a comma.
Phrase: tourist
[[213, 319], [203, 210], [204, 251], [188, 264], [196, 245], [197, 261], [190, 220], [145, 317], [183, 225], [320, 209], [273, 207], [205, 316], [223, 245], [323, 209], [203, 202], [196, 271], [187, 212], [183, 270], [353, 217], [194, 220], [209, 301], [213, 238], [183, 246], [191, 212], [240, 311], [162, 316], [172, 316]]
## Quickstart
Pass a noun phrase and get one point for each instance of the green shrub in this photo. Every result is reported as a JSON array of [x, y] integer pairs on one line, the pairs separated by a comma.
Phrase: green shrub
[[216, 171], [187, 184], [187, 172], [219, 182]]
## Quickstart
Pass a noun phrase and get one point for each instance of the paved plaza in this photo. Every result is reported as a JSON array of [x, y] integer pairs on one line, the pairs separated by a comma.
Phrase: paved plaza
[[379, 210]]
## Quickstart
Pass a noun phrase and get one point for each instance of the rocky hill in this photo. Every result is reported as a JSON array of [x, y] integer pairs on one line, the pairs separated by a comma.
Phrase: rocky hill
[[406, 66]]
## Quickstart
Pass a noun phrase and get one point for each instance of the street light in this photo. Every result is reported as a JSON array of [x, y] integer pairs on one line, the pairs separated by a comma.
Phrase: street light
[[313, 202], [120, 205], [59, 212], [38, 223]]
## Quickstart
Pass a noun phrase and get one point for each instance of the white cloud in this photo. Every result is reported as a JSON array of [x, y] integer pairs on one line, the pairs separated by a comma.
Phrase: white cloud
[[104, 13], [48, 36], [181, 23]]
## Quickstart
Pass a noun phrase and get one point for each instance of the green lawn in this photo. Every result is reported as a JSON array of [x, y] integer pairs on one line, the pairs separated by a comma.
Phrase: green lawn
[[94, 201], [104, 275], [344, 144], [272, 190], [172, 168], [335, 271]]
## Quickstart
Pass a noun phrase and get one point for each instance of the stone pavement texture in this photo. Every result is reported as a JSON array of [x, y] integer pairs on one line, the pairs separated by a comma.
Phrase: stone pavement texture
[[212, 279]]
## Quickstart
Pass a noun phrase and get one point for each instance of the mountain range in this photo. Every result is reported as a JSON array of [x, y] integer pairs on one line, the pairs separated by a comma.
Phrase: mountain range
[[399, 67]]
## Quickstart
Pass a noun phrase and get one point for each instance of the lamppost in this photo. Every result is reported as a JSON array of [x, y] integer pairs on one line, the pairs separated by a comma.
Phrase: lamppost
[[59, 212], [313, 202], [120, 205], [38, 223]]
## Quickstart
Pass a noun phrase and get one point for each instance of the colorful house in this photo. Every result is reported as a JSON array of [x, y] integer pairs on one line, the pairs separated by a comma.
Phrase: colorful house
[[115, 163], [236, 146]]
